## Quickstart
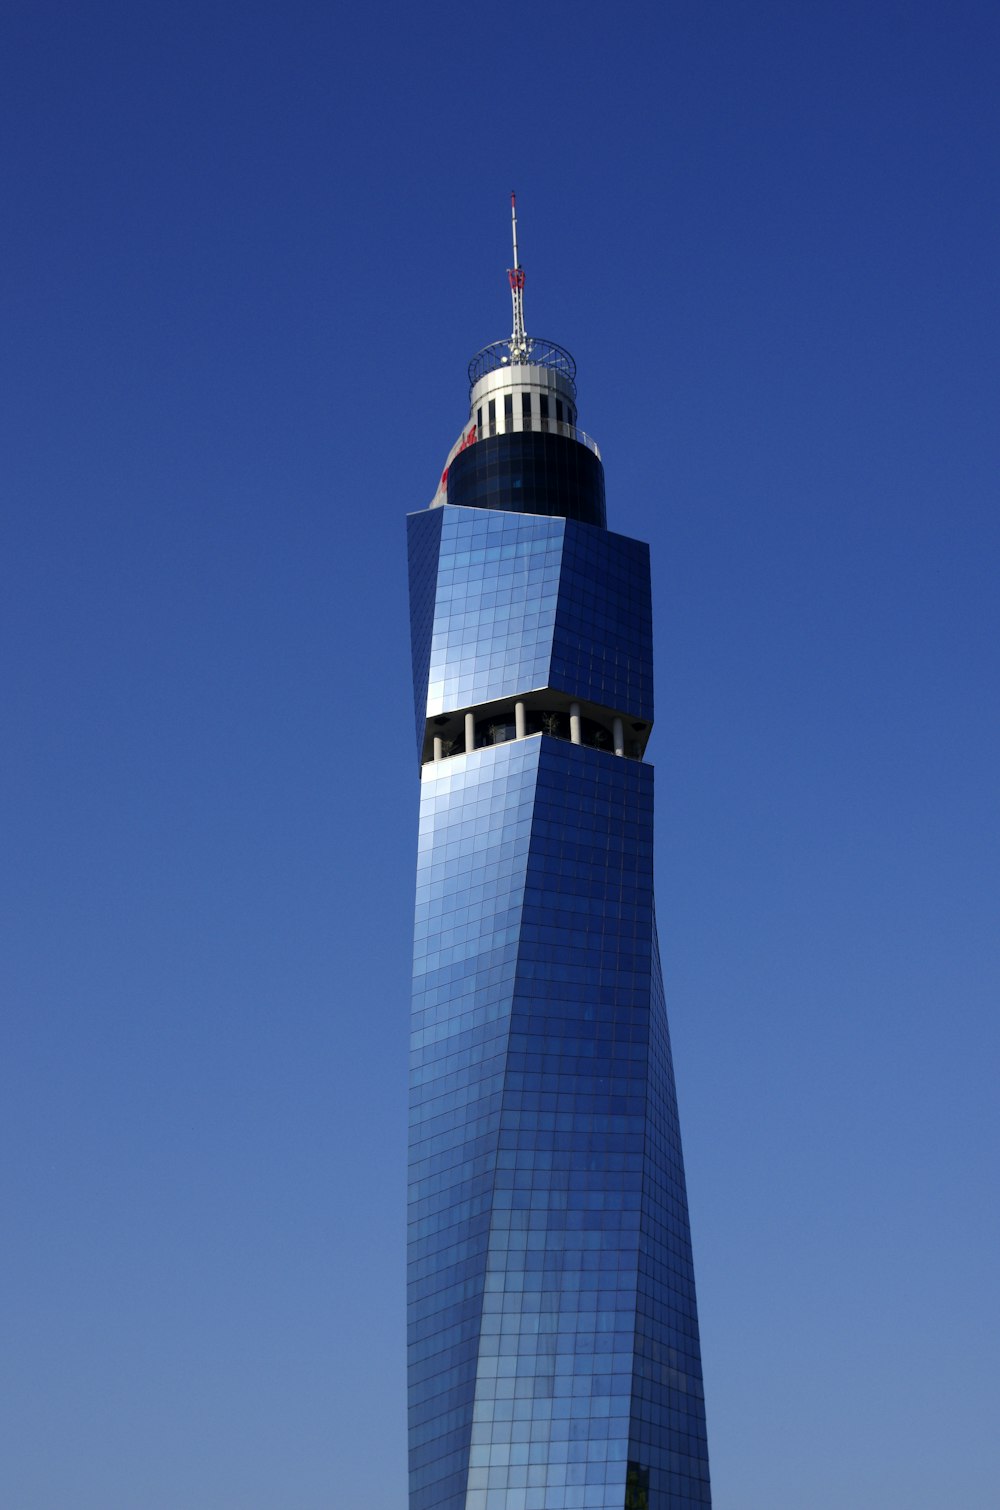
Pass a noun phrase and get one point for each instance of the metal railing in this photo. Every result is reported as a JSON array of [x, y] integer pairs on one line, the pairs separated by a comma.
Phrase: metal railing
[[497, 358], [520, 424], [583, 438]]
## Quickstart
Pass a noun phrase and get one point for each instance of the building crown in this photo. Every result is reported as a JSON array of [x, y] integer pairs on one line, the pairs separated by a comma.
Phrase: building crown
[[520, 350]]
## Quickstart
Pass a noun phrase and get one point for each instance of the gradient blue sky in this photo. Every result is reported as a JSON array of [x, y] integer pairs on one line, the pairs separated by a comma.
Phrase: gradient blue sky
[[248, 251]]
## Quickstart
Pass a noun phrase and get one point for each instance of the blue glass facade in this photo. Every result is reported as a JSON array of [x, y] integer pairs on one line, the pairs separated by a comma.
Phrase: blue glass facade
[[554, 1360], [524, 603]]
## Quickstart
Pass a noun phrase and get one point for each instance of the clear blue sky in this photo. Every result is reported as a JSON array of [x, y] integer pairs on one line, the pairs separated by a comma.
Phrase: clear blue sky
[[248, 251]]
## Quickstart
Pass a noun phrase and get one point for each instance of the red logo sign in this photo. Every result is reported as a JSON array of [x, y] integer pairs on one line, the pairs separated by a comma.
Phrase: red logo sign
[[468, 439]]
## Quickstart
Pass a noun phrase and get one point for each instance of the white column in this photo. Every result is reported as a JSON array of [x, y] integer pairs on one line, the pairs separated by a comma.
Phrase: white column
[[619, 733], [520, 721], [437, 747], [575, 733], [470, 733]]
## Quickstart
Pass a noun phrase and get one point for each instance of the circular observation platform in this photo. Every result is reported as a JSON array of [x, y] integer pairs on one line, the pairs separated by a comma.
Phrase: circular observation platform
[[498, 357]]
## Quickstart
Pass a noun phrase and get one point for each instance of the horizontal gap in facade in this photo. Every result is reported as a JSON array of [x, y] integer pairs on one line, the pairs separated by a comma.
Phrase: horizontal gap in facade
[[546, 712]]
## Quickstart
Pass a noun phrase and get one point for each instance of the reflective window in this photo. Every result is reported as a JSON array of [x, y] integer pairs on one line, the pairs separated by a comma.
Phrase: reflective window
[[551, 474], [553, 1339], [501, 602], [553, 1358]]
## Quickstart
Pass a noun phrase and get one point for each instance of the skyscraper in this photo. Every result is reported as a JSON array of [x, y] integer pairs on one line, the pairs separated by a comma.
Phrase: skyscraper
[[554, 1360]]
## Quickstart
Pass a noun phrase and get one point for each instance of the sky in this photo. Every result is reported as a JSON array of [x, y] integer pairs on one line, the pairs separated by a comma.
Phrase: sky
[[248, 252]]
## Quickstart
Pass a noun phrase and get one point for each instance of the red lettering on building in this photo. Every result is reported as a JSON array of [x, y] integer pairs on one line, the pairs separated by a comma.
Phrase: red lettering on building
[[468, 439]]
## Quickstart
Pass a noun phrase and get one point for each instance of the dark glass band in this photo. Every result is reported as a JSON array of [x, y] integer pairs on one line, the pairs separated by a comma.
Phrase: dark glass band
[[529, 472]]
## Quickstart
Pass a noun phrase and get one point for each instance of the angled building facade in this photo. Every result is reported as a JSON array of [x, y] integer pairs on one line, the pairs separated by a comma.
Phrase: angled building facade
[[554, 1359]]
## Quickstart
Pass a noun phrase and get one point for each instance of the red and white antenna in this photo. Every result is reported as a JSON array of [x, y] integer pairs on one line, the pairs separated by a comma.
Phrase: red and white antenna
[[519, 345]]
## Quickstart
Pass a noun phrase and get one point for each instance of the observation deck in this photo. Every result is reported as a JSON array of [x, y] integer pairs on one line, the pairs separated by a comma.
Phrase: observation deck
[[499, 357]]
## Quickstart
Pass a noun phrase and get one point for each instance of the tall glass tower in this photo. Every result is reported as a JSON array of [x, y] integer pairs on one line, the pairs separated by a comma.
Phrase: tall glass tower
[[554, 1360]]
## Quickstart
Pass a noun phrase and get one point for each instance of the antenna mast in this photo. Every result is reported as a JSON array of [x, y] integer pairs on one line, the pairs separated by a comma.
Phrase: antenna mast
[[519, 344]]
